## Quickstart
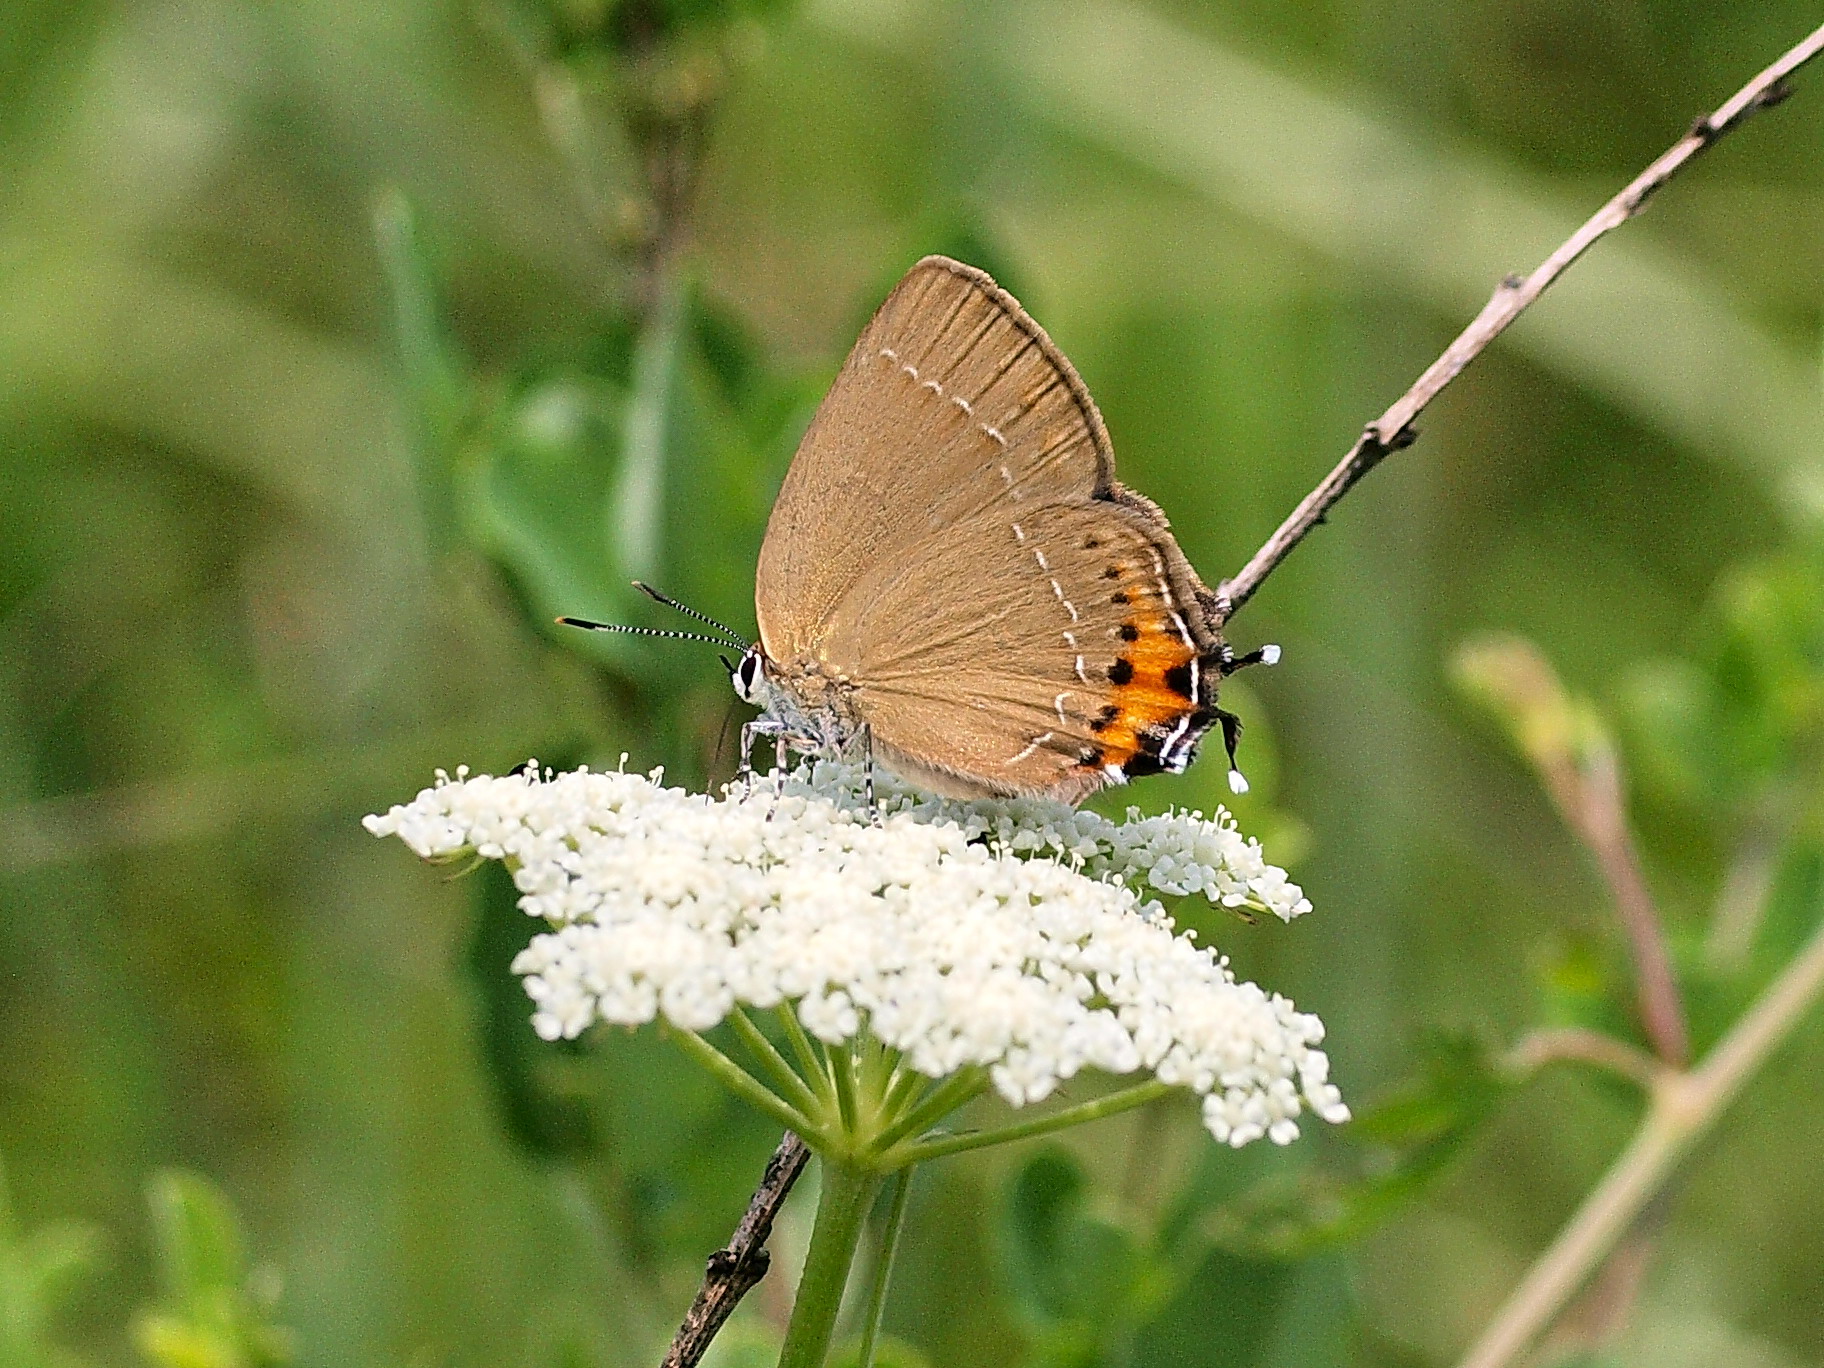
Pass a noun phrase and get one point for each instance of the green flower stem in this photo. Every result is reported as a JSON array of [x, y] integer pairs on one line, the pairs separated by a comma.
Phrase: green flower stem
[[842, 1069], [883, 1267], [842, 1212], [810, 1062], [945, 1098], [878, 1063], [796, 1089], [743, 1084], [902, 1092], [1110, 1104]]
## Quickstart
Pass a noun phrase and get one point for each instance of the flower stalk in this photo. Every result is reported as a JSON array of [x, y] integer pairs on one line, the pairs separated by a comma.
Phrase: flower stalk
[[883, 1269], [1109, 1104], [842, 1212]]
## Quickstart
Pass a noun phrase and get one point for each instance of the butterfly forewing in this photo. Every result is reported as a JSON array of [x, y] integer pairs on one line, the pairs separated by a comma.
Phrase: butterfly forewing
[[952, 400]]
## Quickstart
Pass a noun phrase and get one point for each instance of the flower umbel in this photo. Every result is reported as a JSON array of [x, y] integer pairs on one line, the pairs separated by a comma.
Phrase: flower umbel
[[934, 947]]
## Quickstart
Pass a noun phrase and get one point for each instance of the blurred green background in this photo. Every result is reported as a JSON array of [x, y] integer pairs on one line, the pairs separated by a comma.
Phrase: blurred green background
[[343, 344]]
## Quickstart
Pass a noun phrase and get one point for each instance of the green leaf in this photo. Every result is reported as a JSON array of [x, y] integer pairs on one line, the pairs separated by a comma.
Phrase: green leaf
[[1234, 1312], [888, 1353], [652, 456], [1082, 1283], [199, 1242], [636, 511], [537, 497], [1732, 726], [210, 1316], [543, 1090]]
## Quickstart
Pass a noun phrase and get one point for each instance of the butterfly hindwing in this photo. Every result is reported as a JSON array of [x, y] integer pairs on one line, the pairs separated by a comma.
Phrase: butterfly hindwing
[[1058, 658]]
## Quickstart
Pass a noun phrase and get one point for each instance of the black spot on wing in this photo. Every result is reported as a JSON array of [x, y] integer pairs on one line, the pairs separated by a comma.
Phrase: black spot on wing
[[1121, 672]]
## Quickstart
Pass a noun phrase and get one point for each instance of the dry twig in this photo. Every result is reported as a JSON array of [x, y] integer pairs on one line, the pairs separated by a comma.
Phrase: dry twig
[[1393, 429], [743, 1262]]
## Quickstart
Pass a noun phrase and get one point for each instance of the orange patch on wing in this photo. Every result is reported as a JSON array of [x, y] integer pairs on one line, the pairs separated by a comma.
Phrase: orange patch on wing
[[1146, 700]]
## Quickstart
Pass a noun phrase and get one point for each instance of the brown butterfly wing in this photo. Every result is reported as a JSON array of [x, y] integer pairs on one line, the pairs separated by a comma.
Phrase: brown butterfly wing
[[952, 506], [917, 433], [1041, 653]]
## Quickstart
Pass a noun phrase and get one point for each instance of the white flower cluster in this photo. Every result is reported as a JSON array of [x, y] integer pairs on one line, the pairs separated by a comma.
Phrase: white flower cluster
[[922, 924], [1178, 854]]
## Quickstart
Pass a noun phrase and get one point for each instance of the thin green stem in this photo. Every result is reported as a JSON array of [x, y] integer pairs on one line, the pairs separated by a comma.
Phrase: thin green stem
[[842, 1211], [810, 1062], [1684, 1107], [903, 1091], [877, 1065], [1109, 1104], [742, 1083], [945, 1098], [883, 1267], [842, 1069], [783, 1074]]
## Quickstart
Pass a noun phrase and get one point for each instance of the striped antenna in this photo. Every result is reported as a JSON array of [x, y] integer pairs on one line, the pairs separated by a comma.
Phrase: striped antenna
[[639, 631], [734, 638]]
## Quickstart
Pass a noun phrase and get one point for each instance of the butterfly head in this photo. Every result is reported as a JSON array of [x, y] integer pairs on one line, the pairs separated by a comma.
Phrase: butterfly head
[[749, 677]]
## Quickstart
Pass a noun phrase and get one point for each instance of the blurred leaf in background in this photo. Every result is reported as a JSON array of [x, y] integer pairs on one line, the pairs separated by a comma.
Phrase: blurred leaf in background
[[216, 1311]]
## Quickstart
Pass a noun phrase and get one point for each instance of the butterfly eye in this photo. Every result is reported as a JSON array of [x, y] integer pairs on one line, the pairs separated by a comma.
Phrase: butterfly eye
[[746, 678]]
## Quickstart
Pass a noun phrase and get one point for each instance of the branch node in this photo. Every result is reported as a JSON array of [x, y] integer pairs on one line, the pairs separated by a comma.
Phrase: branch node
[[1777, 93], [1374, 446], [1513, 280]]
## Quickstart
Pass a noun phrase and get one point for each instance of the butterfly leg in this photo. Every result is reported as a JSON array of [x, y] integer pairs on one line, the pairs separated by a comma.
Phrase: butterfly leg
[[1260, 655], [744, 766], [779, 744], [1231, 738], [867, 770]]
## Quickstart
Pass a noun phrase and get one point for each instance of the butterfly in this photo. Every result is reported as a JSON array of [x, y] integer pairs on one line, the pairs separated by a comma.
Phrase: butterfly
[[953, 579]]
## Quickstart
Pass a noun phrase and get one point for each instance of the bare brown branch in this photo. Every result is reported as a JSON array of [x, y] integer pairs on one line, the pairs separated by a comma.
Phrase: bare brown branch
[[1598, 811], [1393, 429], [734, 1269], [1549, 1045], [1577, 763]]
